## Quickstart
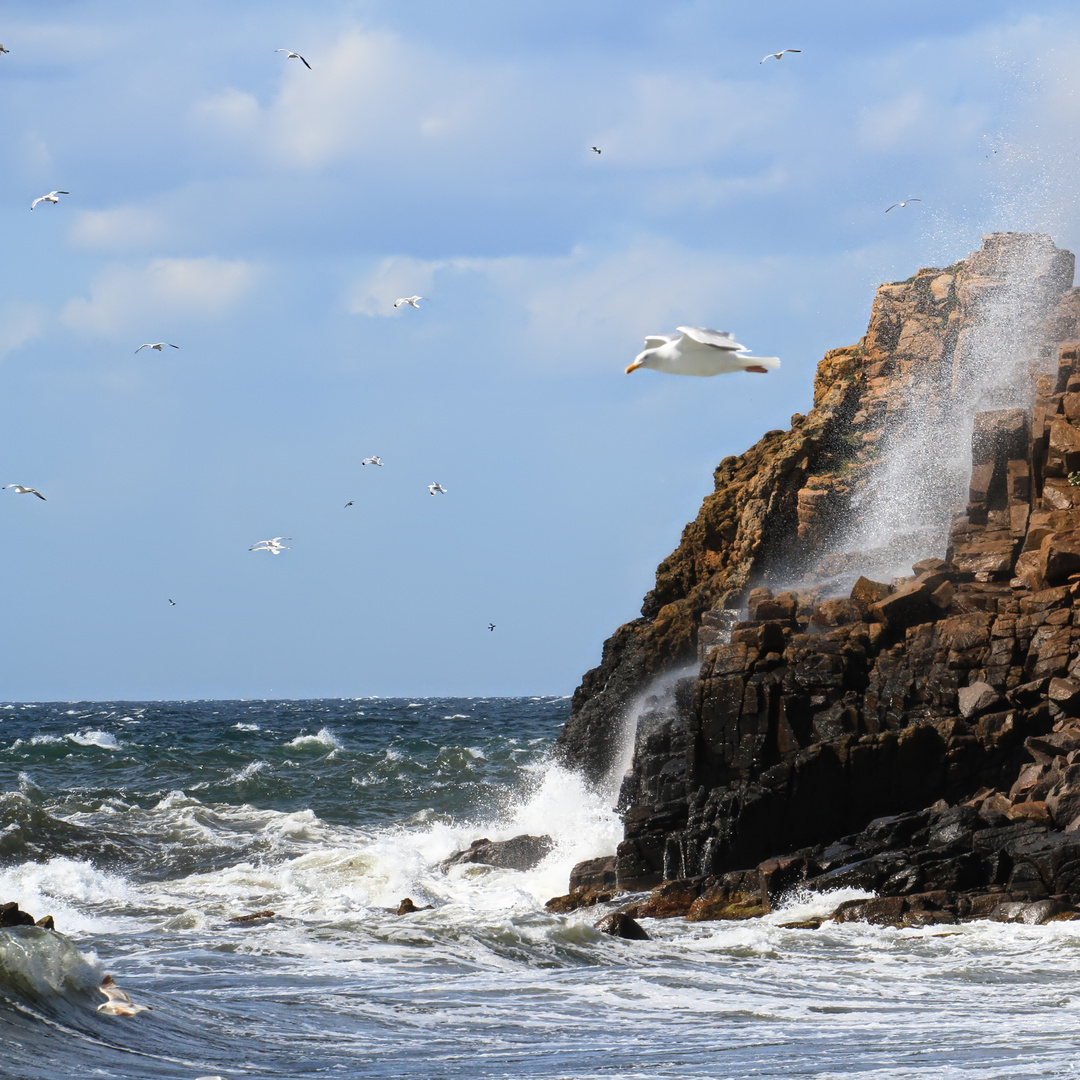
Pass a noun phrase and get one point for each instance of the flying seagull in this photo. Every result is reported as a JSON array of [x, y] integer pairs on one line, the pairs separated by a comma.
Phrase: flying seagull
[[290, 55], [159, 345], [777, 55], [491, 626], [3, 50], [53, 197], [20, 490], [904, 203], [436, 489], [412, 301], [597, 149], [172, 603], [119, 1004], [372, 460], [697, 351], [347, 505], [275, 546]]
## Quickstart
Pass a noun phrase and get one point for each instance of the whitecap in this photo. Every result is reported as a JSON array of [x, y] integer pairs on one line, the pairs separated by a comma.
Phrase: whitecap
[[91, 737], [246, 773], [324, 737], [457, 716], [246, 727]]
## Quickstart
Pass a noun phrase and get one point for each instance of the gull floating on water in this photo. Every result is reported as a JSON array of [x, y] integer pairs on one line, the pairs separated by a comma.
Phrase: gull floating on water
[[697, 351], [412, 301], [777, 55], [436, 489], [275, 546], [20, 490], [119, 1004], [290, 55], [53, 197], [904, 203], [159, 345], [372, 460]]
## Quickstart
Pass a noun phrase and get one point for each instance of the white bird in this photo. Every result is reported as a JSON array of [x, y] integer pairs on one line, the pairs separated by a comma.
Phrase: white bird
[[119, 1004], [904, 203], [290, 55], [412, 301], [697, 351], [372, 461], [274, 546], [596, 149], [777, 55], [20, 490], [159, 345], [53, 197], [436, 489]]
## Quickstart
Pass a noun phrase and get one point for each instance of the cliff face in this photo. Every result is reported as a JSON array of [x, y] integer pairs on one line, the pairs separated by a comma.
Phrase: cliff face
[[828, 704]]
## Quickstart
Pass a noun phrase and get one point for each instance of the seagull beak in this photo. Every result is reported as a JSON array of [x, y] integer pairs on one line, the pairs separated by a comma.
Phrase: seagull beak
[[634, 366]]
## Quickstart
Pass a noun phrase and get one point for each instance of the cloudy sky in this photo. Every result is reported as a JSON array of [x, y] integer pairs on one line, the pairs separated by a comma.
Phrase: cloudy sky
[[264, 217]]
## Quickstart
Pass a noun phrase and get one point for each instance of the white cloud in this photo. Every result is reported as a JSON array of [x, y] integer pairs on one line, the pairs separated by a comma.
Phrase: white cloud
[[123, 297], [20, 321], [125, 228]]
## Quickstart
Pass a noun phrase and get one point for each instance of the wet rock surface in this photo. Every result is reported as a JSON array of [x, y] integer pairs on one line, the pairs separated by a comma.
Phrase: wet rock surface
[[917, 737], [522, 852]]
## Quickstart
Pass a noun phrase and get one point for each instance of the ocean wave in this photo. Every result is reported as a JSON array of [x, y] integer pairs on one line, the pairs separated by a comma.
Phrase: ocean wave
[[246, 727], [41, 963], [324, 737], [246, 773], [91, 737]]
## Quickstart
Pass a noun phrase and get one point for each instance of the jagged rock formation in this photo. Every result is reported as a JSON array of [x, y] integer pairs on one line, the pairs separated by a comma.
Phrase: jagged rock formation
[[949, 697]]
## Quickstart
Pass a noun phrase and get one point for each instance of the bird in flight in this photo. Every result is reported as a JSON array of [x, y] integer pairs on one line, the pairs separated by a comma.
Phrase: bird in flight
[[3, 50], [412, 301], [159, 345], [53, 197], [693, 350], [436, 489], [20, 490], [172, 603], [347, 505], [372, 460], [118, 1004], [290, 55], [596, 149], [777, 55], [275, 546], [904, 203], [491, 626]]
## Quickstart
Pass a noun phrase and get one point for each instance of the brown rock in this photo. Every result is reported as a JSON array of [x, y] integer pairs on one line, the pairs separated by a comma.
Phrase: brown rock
[[619, 924], [869, 592], [593, 874], [46, 922], [254, 917], [10, 915], [978, 698], [908, 605]]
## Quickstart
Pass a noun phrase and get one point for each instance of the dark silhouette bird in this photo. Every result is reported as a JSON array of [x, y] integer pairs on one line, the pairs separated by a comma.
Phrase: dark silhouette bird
[[172, 603], [596, 149], [347, 505], [491, 626]]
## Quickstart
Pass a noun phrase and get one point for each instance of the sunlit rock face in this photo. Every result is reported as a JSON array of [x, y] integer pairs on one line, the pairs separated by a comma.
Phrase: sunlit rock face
[[873, 610]]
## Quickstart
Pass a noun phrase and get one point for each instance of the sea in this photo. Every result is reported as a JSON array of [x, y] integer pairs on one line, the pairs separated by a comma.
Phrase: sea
[[146, 828]]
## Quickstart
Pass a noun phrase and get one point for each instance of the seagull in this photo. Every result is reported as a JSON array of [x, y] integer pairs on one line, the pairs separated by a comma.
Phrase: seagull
[[697, 351], [372, 460], [20, 490], [904, 203], [597, 149], [159, 345], [172, 603], [119, 1004], [3, 50], [412, 301], [53, 197], [275, 546], [436, 489], [294, 56], [491, 626], [347, 505], [777, 55]]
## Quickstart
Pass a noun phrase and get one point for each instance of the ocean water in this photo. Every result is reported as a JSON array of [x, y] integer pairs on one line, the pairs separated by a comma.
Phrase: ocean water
[[143, 828]]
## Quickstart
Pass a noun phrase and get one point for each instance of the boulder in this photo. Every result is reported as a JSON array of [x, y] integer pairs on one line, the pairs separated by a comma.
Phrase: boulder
[[522, 852], [593, 874], [909, 605], [407, 907], [10, 915], [619, 924], [869, 592], [977, 698]]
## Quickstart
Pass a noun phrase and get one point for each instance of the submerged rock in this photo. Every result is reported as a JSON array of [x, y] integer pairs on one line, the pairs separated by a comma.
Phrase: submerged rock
[[619, 924], [518, 853]]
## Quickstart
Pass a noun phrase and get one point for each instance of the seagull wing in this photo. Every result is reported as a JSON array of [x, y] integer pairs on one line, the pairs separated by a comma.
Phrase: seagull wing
[[59, 192], [716, 339], [141, 347], [893, 207], [306, 64], [171, 345], [654, 341], [34, 491], [40, 198]]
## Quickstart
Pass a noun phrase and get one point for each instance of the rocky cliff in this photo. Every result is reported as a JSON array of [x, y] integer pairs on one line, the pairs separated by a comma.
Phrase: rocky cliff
[[821, 696]]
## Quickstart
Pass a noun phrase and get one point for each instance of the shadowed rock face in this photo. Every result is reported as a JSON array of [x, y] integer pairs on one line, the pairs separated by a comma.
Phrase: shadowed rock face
[[837, 698]]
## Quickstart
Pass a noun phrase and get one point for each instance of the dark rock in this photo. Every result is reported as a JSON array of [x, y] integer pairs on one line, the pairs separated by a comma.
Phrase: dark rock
[[977, 698], [563, 905], [254, 917], [46, 921], [522, 852], [407, 907], [619, 924], [593, 874], [10, 915]]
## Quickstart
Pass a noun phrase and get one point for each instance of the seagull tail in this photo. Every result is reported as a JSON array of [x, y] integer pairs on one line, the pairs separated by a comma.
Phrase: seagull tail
[[772, 362]]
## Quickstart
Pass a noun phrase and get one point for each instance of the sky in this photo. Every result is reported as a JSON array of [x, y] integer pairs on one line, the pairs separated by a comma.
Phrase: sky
[[264, 217]]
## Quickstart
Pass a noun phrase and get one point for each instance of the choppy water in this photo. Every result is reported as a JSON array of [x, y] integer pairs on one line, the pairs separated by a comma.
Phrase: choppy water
[[143, 828]]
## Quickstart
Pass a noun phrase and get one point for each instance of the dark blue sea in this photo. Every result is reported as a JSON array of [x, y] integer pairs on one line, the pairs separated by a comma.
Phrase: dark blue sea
[[143, 828]]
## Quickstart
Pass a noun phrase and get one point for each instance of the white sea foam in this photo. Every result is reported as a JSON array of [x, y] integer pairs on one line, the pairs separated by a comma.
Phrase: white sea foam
[[324, 737], [102, 739], [247, 772], [246, 727]]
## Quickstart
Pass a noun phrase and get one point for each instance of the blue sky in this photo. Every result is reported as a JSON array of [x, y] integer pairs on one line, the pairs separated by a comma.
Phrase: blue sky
[[264, 217]]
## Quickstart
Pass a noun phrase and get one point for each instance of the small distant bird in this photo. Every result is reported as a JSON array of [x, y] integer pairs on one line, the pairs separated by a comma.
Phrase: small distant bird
[[596, 149], [347, 505], [119, 1004], [20, 490], [697, 351], [172, 603], [3, 50], [53, 197], [275, 546], [372, 461], [412, 301], [436, 489], [294, 56], [777, 55], [491, 626], [159, 345], [904, 203]]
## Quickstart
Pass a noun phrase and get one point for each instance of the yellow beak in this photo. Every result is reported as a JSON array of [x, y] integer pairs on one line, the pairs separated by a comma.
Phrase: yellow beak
[[634, 366]]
